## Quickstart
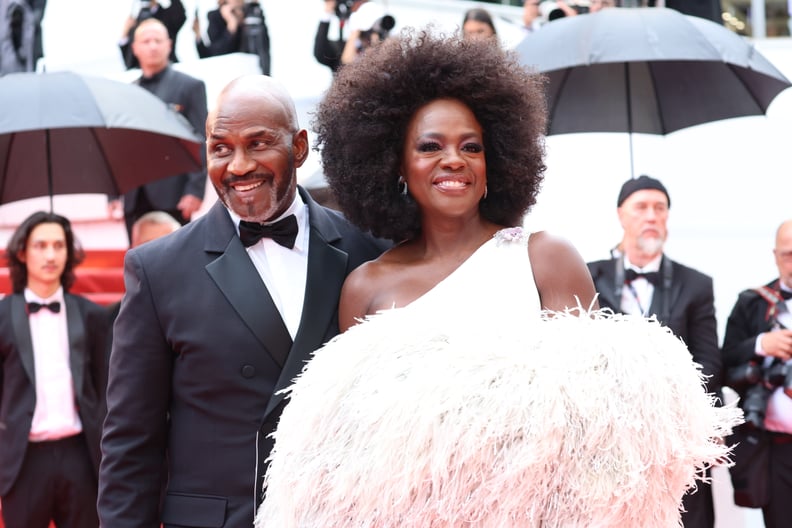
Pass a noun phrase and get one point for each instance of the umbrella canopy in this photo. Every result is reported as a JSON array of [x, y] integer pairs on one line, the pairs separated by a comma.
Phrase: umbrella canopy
[[64, 133], [647, 70]]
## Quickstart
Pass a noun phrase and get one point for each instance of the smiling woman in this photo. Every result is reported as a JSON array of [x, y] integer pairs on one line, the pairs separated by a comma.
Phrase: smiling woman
[[448, 154]]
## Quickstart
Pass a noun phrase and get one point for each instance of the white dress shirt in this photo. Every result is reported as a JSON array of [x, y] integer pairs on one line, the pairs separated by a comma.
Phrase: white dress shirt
[[55, 415], [284, 270], [637, 295]]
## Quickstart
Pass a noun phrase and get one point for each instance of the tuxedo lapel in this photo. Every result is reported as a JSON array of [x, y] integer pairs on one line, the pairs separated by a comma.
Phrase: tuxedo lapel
[[22, 337], [666, 293], [326, 273], [78, 346], [609, 292], [236, 276]]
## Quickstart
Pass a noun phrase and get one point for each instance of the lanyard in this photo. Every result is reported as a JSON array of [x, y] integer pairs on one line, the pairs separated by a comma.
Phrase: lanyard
[[644, 311]]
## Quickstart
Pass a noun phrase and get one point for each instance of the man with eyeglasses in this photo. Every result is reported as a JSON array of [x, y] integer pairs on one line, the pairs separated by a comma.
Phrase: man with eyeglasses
[[759, 333]]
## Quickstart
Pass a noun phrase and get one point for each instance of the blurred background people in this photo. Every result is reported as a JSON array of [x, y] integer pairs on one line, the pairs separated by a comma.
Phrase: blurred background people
[[757, 352], [180, 195], [53, 375], [369, 25], [173, 17], [20, 35], [326, 51], [224, 30], [148, 227], [477, 24], [255, 35], [531, 21], [644, 280]]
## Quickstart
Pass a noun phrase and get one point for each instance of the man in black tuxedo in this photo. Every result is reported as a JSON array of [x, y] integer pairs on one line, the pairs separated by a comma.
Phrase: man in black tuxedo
[[172, 17], [644, 281], [759, 330], [219, 317], [53, 361], [180, 195]]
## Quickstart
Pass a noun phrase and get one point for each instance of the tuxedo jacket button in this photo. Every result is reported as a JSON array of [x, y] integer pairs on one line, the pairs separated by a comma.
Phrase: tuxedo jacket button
[[248, 371]]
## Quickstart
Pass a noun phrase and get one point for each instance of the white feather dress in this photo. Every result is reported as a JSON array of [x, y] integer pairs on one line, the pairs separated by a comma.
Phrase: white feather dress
[[438, 417]]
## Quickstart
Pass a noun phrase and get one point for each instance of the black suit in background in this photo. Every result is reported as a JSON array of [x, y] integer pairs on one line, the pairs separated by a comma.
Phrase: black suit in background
[[88, 327], [709, 9], [221, 41], [326, 51], [685, 304], [172, 16], [187, 95], [199, 353], [748, 319]]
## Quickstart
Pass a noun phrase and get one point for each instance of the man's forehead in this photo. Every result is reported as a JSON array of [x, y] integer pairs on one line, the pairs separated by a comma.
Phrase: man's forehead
[[646, 195], [47, 231]]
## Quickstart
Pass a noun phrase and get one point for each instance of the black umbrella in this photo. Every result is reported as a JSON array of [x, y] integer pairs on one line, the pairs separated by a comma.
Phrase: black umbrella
[[64, 133], [647, 70]]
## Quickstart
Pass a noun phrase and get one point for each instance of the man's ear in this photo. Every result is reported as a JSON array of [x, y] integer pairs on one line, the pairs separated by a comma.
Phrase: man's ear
[[301, 147]]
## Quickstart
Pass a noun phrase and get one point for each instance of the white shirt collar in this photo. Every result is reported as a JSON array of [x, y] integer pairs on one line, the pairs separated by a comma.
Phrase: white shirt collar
[[653, 265], [30, 296]]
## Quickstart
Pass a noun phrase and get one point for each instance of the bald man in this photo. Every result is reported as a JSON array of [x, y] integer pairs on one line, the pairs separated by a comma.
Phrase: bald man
[[759, 331], [180, 195], [217, 318]]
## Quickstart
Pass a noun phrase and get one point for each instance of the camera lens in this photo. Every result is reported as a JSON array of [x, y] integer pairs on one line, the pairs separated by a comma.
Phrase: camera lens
[[743, 375]]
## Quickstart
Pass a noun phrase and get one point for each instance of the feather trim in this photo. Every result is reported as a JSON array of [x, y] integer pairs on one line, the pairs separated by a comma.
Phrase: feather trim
[[417, 421]]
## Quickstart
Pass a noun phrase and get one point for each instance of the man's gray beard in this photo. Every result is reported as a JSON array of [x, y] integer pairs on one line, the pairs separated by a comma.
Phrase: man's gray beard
[[651, 246]]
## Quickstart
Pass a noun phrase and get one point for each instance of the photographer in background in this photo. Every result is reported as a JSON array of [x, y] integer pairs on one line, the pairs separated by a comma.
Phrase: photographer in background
[[255, 36], [368, 26], [759, 334], [224, 30], [172, 16], [326, 51]]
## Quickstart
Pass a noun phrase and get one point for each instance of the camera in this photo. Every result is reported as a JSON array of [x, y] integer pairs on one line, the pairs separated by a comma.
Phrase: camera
[[344, 8], [145, 12], [381, 28], [550, 12], [761, 382]]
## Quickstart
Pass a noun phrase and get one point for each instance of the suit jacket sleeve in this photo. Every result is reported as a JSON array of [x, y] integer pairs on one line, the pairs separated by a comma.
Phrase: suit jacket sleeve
[[174, 18], [195, 110], [702, 334], [327, 52], [746, 321], [135, 431]]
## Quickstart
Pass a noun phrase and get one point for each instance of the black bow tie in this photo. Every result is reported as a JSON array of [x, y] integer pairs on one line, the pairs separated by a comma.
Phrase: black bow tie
[[33, 307], [284, 232], [652, 276], [786, 295]]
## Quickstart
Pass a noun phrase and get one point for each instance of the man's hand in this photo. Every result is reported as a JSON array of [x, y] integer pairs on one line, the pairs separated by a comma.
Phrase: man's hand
[[778, 343], [232, 16], [188, 205], [115, 209]]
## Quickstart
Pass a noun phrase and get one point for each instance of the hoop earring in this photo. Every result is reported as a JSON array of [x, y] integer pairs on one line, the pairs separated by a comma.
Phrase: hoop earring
[[401, 186], [485, 192]]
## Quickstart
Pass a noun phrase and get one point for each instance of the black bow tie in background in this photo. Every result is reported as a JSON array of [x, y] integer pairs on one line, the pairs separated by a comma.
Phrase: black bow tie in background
[[786, 295], [284, 232], [652, 276], [33, 307]]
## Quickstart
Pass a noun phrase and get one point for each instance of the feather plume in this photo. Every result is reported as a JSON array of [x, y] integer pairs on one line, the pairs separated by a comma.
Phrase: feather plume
[[416, 420]]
